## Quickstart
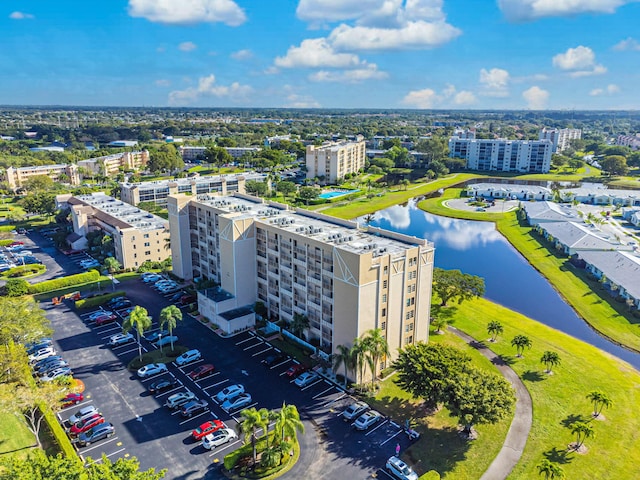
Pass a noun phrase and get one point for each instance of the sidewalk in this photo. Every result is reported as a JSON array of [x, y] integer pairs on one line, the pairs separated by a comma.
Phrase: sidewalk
[[518, 433]]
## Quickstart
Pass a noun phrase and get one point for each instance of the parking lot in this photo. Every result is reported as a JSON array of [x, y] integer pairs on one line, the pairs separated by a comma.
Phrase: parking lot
[[160, 437]]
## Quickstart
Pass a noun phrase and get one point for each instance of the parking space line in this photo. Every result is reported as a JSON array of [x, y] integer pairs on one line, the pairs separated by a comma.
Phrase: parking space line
[[391, 437], [204, 378], [262, 351], [371, 431], [151, 377], [245, 340], [336, 399], [78, 405], [281, 363], [311, 384], [252, 346], [239, 410], [322, 393], [127, 351], [228, 445], [113, 439], [190, 364], [387, 475], [193, 418], [110, 325], [216, 384], [168, 391]]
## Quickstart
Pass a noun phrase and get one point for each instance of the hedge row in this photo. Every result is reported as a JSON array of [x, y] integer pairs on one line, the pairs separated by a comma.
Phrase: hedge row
[[98, 300], [24, 271], [58, 432], [5, 242], [70, 281], [7, 228]]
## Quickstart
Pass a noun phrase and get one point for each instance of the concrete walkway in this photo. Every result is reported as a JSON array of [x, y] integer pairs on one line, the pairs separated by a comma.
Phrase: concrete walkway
[[518, 432]]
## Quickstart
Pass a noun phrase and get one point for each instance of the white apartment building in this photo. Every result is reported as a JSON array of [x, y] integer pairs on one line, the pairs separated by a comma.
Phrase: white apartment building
[[631, 141], [158, 191], [192, 154], [16, 177], [109, 165], [137, 235], [560, 137], [334, 160], [344, 278], [524, 156]]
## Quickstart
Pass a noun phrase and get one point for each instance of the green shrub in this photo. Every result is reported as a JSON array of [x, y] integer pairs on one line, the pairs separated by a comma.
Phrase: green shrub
[[5, 242], [232, 459], [7, 228], [70, 281], [58, 433], [16, 287], [430, 475], [25, 271], [97, 300]]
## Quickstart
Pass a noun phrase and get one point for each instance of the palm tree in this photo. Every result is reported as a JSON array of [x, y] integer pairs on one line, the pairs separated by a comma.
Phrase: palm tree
[[252, 421], [550, 470], [170, 316], [111, 264], [600, 400], [288, 422], [140, 321], [359, 352], [299, 324], [582, 431], [344, 356], [494, 329], [377, 348], [521, 342], [550, 359]]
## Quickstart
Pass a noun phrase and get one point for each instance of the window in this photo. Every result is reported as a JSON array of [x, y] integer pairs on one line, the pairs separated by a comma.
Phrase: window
[[413, 261], [384, 312], [409, 315], [408, 327], [146, 244], [384, 298], [146, 235], [412, 274], [148, 252], [409, 339], [384, 284], [135, 255], [410, 301], [383, 325], [385, 270], [411, 288]]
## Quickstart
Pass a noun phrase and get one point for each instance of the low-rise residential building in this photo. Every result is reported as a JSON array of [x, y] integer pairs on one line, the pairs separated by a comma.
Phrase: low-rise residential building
[[158, 191], [112, 164], [137, 235], [560, 137], [631, 141], [345, 279], [509, 191], [601, 196], [123, 143], [16, 177], [618, 271], [191, 154], [574, 237], [333, 160], [537, 213]]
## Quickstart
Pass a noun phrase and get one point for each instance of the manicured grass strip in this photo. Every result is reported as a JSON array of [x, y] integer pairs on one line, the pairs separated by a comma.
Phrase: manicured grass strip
[[559, 399], [24, 271], [16, 437], [98, 300]]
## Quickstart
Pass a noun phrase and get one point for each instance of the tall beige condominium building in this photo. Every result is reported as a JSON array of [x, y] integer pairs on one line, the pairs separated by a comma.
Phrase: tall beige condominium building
[[334, 160], [137, 235], [16, 177], [346, 279], [111, 164]]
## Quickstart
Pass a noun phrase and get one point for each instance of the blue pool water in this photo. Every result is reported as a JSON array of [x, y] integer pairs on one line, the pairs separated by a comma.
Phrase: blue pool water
[[336, 193]]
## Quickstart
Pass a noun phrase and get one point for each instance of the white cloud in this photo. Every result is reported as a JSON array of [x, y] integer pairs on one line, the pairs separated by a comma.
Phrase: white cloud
[[245, 54], [611, 89], [207, 87], [627, 44], [162, 82], [187, 46], [527, 10], [495, 82], [357, 75], [317, 53], [20, 16], [596, 92], [429, 98], [536, 98], [579, 62], [425, 98], [301, 101], [464, 98], [187, 12]]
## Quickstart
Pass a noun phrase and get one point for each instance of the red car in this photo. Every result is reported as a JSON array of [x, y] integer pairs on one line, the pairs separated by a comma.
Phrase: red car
[[13, 244], [201, 371], [86, 425], [72, 399], [206, 428], [103, 319], [295, 370]]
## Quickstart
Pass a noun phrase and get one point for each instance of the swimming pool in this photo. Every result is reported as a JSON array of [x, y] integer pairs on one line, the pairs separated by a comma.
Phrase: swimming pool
[[336, 193]]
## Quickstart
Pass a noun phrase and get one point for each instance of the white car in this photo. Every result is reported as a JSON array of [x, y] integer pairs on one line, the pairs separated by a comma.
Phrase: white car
[[98, 313], [237, 402], [400, 470], [230, 392], [120, 339], [306, 379], [53, 374], [151, 278], [364, 421], [355, 410], [42, 354], [178, 399], [219, 437], [188, 357], [84, 412], [152, 369]]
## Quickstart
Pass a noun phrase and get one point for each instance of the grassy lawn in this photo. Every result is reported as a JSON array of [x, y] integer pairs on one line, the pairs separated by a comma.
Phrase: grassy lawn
[[440, 447], [590, 302], [24, 271], [15, 436], [559, 399]]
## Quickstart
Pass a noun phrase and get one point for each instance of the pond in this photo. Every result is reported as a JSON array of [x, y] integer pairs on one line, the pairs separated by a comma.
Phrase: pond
[[478, 248]]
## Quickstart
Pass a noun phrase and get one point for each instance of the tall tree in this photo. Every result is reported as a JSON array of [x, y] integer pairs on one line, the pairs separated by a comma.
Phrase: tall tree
[[299, 324], [140, 321], [288, 422], [308, 193], [377, 348], [494, 328], [286, 188], [359, 350], [550, 359], [600, 400], [614, 165], [343, 357], [252, 421], [169, 317], [520, 342], [455, 285], [22, 321], [112, 264], [217, 156]]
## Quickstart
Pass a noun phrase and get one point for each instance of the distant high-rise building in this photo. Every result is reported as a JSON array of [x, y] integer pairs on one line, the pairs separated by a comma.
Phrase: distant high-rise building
[[334, 160], [500, 155], [561, 138]]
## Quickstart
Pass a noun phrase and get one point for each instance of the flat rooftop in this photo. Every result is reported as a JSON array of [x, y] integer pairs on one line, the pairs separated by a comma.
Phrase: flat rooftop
[[132, 216], [197, 180], [343, 234]]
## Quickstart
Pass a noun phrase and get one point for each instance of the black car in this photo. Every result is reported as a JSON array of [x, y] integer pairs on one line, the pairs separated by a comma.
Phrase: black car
[[121, 304], [162, 385], [115, 300], [176, 297], [194, 407], [272, 360]]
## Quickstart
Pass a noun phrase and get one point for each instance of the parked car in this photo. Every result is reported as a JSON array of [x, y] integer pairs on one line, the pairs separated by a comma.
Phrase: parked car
[[97, 433], [219, 437], [175, 297], [98, 313], [400, 470], [273, 360], [237, 402], [162, 385], [229, 392], [194, 407], [104, 319], [115, 300], [84, 412], [152, 369], [71, 399], [201, 371], [206, 429], [161, 342], [42, 354], [152, 337], [125, 302], [56, 373], [355, 410], [187, 299], [39, 365], [364, 421], [120, 339], [151, 277], [169, 289], [295, 370], [178, 399], [188, 357], [51, 366], [306, 378], [86, 424]]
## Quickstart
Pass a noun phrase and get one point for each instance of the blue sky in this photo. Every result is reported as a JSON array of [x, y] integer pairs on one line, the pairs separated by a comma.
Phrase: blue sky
[[485, 54]]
